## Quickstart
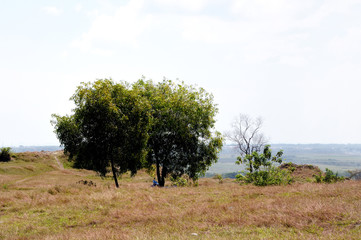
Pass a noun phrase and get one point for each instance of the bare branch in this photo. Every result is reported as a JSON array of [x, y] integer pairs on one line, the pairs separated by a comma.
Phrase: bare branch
[[246, 134]]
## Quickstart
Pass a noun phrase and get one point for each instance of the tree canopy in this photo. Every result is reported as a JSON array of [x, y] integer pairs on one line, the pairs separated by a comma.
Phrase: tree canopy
[[124, 128], [261, 169], [109, 127], [180, 138], [5, 154]]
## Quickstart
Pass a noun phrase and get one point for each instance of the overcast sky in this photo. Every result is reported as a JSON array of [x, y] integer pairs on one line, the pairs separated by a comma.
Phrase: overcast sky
[[297, 64]]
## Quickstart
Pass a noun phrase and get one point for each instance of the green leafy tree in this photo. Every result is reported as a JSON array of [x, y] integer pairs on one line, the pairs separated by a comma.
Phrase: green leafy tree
[[5, 154], [256, 160], [255, 154], [180, 139], [263, 170], [109, 128]]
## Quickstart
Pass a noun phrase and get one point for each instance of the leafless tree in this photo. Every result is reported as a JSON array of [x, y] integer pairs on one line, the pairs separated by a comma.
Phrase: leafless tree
[[246, 134], [355, 174]]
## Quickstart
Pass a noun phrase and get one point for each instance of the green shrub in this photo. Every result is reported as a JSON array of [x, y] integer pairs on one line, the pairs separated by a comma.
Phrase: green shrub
[[261, 171], [219, 177], [270, 176], [5, 154], [290, 166], [179, 181], [328, 177]]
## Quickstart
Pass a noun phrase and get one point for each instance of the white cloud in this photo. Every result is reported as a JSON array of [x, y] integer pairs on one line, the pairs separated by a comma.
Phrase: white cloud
[[51, 10], [213, 30], [261, 9], [296, 61], [191, 5], [348, 45], [64, 54], [124, 27], [326, 9], [262, 30], [256, 41], [78, 7]]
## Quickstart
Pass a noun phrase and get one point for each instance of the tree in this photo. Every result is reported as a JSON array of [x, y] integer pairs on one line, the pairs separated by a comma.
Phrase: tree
[[109, 127], [264, 173], [5, 154], [255, 154], [355, 174], [246, 134], [180, 139], [259, 160]]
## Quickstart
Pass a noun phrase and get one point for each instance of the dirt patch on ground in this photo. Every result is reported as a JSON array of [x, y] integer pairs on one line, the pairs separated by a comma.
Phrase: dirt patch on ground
[[59, 163]]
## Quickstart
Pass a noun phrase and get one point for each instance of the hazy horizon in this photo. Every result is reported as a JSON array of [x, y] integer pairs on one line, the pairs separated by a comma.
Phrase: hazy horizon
[[297, 64], [224, 145]]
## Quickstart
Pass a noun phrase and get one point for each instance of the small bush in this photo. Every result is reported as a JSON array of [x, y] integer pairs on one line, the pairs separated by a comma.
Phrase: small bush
[[87, 183], [271, 176], [290, 166], [328, 177], [54, 190], [5, 154], [261, 170], [219, 177], [179, 181]]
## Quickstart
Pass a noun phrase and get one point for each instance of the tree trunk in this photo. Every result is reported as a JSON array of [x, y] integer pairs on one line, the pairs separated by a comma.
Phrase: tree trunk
[[160, 175], [158, 171], [250, 167], [164, 173], [114, 174]]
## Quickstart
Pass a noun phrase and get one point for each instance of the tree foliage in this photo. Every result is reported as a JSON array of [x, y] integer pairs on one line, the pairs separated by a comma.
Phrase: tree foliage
[[5, 154], [328, 177], [109, 128], [257, 160], [124, 127], [263, 170], [180, 139]]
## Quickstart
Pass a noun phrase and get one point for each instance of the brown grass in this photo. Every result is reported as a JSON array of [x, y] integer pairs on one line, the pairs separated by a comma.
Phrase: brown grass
[[302, 173], [52, 205]]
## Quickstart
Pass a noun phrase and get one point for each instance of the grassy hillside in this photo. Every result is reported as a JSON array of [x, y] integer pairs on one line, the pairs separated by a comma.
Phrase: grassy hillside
[[40, 200]]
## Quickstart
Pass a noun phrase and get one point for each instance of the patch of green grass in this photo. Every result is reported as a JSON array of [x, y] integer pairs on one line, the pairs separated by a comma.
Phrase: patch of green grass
[[314, 229]]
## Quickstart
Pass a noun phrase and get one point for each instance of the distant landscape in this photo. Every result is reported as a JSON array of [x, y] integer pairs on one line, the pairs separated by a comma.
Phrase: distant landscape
[[35, 148], [337, 157]]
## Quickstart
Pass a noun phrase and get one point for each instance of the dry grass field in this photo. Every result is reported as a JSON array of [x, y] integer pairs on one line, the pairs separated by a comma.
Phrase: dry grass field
[[39, 200]]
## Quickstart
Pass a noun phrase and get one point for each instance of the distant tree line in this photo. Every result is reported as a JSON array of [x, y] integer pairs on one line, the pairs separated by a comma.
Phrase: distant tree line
[[120, 127]]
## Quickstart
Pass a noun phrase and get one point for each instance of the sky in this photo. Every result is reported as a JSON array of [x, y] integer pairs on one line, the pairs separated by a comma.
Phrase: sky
[[296, 64]]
